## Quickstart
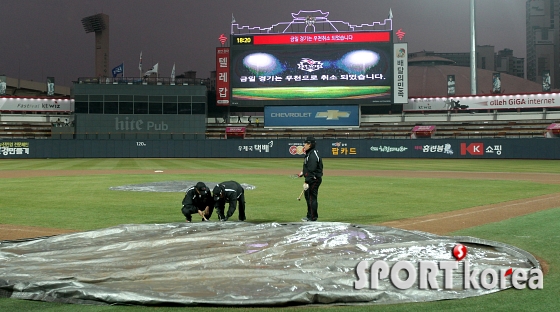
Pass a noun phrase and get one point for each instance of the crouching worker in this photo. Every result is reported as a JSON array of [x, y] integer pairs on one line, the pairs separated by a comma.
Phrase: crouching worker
[[229, 192], [198, 199]]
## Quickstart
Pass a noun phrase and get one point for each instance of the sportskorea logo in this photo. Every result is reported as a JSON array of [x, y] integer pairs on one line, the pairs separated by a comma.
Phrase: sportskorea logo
[[425, 274], [309, 65]]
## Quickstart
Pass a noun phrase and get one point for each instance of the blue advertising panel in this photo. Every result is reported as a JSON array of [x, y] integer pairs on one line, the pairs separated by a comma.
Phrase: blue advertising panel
[[308, 116]]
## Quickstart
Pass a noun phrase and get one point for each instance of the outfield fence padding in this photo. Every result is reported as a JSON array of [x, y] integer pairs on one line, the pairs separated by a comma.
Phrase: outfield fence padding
[[282, 148]]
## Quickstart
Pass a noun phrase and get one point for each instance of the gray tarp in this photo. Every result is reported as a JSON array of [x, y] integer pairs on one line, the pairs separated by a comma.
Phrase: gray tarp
[[169, 186], [234, 263]]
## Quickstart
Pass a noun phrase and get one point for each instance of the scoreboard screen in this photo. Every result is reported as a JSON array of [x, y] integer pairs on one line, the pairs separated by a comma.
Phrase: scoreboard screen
[[311, 69]]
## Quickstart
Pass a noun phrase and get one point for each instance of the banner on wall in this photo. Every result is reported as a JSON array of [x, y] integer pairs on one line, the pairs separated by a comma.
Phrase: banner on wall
[[546, 81], [450, 85], [36, 105], [3, 85], [400, 77], [496, 83], [222, 77], [50, 86], [539, 100]]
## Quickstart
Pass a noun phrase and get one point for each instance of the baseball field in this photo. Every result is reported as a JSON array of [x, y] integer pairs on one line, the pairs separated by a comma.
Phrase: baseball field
[[511, 201]]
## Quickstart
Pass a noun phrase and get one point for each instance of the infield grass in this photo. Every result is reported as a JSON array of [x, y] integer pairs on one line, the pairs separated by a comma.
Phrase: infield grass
[[85, 202], [463, 165], [296, 93]]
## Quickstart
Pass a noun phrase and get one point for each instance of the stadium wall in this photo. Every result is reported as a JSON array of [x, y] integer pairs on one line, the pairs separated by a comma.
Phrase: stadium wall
[[282, 148]]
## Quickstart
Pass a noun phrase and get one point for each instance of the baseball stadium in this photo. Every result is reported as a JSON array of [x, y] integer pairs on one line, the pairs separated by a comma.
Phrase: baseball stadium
[[440, 202]]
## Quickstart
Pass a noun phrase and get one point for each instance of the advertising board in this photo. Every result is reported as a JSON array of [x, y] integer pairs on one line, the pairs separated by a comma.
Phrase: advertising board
[[316, 116]]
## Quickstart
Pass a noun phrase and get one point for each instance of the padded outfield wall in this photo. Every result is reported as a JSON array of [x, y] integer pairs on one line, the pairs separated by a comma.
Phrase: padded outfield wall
[[282, 148]]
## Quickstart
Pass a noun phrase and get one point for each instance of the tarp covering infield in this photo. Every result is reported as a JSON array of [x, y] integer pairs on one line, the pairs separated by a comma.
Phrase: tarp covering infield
[[169, 186], [236, 264]]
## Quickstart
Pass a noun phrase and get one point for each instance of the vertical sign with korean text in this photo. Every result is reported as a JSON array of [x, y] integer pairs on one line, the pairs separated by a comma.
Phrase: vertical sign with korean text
[[496, 83], [222, 76], [546, 81], [50, 86], [450, 85], [400, 61], [3, 85]]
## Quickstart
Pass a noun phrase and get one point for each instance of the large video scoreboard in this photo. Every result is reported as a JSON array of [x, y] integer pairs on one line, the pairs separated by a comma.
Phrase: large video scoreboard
[[311, 68]]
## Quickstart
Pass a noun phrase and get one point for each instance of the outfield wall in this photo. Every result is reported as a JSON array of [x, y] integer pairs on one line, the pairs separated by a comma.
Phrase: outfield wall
[[282, 148]]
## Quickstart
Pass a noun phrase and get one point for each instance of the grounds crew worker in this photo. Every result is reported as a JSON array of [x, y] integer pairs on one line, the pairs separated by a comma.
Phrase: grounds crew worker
[[313, 174], [229, 192], [198, 199]]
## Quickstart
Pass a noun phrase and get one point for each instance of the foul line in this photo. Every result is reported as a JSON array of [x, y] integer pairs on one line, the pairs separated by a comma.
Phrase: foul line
[[503, 206]]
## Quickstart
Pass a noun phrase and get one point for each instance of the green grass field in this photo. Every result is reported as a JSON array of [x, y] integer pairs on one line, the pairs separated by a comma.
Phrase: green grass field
[[297, 93], [84, 202]]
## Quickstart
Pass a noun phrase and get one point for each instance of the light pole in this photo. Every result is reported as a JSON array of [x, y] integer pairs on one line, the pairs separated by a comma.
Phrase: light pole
[[473, 51], [99, 24]]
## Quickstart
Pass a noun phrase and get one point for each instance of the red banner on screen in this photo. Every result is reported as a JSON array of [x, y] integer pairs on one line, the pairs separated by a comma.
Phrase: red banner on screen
[[341, 37], [222, 76]]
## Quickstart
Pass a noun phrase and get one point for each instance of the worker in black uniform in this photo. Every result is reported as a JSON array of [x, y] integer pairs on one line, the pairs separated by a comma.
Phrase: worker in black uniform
[[313, 174], [198, 199], [229, 192]]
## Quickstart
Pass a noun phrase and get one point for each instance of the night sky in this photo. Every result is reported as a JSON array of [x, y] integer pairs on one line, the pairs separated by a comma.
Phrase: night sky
[[40, 38]]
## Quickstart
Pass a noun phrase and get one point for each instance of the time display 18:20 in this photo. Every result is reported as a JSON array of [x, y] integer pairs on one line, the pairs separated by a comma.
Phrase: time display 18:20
[[243, 40]]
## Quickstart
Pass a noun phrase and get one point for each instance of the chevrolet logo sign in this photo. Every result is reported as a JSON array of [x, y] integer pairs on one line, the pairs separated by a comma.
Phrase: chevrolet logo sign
[[332, 114]]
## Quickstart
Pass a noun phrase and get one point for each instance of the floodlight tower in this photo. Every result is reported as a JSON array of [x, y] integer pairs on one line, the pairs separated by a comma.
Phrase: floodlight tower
[[99, 24]]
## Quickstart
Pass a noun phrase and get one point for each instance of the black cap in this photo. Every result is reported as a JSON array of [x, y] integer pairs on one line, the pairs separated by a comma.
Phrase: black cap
[[310, 140], [217, 191], [201, 187]]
